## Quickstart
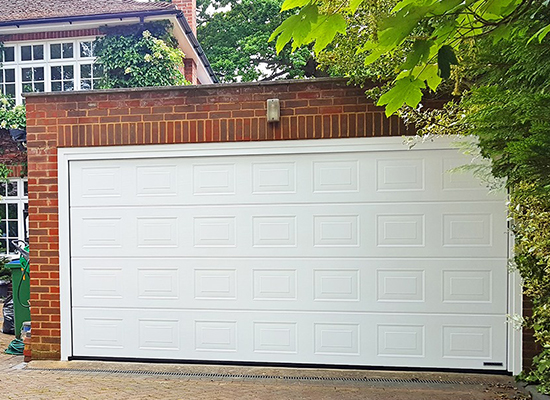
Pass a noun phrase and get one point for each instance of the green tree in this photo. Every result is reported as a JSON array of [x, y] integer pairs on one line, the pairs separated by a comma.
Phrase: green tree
[[234, 34]]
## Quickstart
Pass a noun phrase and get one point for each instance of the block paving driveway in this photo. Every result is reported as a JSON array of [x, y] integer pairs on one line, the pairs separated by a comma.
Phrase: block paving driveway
[[106, 380]]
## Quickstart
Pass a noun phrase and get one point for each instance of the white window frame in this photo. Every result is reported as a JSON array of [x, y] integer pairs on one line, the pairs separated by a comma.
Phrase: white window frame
[[21, 199], [47, 62]]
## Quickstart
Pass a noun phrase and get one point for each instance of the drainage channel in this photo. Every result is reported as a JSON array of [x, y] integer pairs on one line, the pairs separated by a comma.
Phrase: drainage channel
[[201, 375]]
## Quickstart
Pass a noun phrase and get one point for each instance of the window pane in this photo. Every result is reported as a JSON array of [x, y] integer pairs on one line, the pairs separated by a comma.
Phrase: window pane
[[26, 53], [25, 190], [9, 75], [9, 54], [10, 90], [68, 50], [39, 87], [3, 211], [39, 73], [13, 230], [86, 71], [2, 245], [56, 86], [2, 188], [27, 87], [38, 52], [12, 248], [68, 72], [86, 49], [26, 74], [12, 189], [3, 228], [56, 73], [55, 51], [2, 76], [86, 84], [67, 86], [12, 210]]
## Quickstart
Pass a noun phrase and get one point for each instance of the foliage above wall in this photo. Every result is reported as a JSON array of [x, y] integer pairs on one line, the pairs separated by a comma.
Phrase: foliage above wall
[[140, 55]]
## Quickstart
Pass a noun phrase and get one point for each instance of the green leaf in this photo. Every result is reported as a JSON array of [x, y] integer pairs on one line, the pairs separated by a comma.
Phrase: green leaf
[[541, 34], [426, 72], [354, 5], [445, 58], [325, 30], [405, 91], [290, 4], [419, 53]]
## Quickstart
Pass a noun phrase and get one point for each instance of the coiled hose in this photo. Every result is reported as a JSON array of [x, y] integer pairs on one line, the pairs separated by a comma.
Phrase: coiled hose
[[15, 348]]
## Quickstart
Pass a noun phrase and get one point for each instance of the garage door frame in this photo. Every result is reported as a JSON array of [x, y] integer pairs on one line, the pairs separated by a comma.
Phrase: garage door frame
[[65, 155]]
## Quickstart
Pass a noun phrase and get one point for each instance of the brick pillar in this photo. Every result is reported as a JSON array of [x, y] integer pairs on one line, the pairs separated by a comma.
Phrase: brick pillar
[[189, 8], [190, 70]]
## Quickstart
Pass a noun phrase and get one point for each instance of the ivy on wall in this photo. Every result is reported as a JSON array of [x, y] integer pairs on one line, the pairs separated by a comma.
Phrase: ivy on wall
[[139, 55]]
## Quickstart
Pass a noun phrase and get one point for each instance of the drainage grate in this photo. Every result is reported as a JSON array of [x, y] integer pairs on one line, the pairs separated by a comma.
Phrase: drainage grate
[[273, 377]]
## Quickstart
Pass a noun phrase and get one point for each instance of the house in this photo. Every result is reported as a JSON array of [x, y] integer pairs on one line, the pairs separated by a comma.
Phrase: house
[[179, 224], [47, 47]]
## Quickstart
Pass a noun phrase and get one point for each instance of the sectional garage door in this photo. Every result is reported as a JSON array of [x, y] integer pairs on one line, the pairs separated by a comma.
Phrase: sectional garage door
[[351, 254]]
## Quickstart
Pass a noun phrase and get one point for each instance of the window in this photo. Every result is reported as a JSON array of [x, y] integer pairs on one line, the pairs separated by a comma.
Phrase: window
[[62, 78], [7, 82], [32, 79], [32, 53], [90, 75], [48, 66], [13, 212]]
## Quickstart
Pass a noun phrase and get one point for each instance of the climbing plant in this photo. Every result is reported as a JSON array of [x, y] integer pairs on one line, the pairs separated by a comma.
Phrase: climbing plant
[[139, 55]]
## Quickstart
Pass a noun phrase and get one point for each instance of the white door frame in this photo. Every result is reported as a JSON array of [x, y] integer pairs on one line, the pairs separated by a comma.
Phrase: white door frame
[[66, 155]]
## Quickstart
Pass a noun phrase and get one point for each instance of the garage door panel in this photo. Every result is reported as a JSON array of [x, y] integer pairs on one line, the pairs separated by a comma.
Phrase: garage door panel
[[347, 178], [378, 258], [362, 230], [347, 339], [398, 285]]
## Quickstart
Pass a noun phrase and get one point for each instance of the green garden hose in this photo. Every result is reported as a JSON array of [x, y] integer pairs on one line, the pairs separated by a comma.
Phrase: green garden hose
[[15, 348]]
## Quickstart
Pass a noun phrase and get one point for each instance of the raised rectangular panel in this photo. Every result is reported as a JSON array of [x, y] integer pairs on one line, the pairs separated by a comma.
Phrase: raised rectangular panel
[[100, 182], [158, 283], [467, 341], [336, 230], [275, 337], [157, 232], [467, 229], [274, 177], [336, 339], [104, 283], [159, 334], [401, 340], [404, 230], [214, 179], [336, 284], [157, 180], [215, 335], [400, 285], [214, 232], [215, 284], [274, 284], [467, 286], [456, 178], [274, 231], [335, 176], [101, 232], [103, 333], [397, 175]]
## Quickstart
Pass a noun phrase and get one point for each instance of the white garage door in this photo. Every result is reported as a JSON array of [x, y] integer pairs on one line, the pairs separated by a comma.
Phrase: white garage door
[[351, 254]]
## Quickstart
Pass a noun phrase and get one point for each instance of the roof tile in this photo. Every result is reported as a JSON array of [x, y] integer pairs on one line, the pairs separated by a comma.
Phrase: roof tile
[[22, 10]]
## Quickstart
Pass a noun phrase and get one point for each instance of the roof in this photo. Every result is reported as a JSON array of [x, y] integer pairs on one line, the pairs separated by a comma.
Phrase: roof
[[26, 10]]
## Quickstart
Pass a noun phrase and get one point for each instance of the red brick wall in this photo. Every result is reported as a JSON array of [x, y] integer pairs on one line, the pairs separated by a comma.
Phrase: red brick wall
[[222, 113]]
